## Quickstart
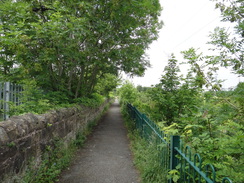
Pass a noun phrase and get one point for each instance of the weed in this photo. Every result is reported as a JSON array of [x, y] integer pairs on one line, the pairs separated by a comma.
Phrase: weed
[[11, 144], [54, 160], [80, 139], [145, 157], [57, 157]]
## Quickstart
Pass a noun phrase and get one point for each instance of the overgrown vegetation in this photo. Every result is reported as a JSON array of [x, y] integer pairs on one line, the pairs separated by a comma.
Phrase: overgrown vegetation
[[56, 158], [53, 161], [68, 47], [66, 52], [195, 106], [145, 155], [211, 122], [40, 104]]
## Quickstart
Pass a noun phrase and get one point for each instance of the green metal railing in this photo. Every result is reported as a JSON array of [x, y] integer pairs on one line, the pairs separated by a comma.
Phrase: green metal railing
[[149, 130], [173, 155]]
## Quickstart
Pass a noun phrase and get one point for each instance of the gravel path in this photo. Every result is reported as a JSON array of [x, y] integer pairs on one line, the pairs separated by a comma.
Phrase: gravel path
[[106, 157]]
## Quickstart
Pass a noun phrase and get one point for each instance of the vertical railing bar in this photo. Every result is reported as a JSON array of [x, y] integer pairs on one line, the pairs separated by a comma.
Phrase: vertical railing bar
[[194, 171], [19, 92], [188, 153], [1, 101], [181, 160], [197, 157], [15, 94], [150, 129], [10, 92], [174, 143], [6, 99], [184, 169], [213, 172]]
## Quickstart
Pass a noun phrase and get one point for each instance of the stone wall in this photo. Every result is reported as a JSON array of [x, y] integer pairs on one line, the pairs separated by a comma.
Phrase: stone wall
[[25, 137]]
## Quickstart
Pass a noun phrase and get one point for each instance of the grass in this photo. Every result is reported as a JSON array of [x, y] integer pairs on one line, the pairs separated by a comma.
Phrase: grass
[[146, 155]]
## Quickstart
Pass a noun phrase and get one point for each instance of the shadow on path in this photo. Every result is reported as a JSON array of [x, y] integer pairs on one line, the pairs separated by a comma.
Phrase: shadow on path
[[106, 157]]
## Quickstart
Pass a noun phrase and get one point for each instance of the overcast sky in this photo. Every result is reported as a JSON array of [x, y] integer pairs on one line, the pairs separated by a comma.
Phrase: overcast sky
[[187, 23]]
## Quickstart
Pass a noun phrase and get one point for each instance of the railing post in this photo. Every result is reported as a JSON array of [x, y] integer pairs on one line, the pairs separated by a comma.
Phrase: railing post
[[144, 129], [6, 99], [1, 101], [174, 142]]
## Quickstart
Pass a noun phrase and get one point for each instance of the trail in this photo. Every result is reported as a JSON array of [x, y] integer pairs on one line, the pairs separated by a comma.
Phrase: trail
[[106, 157]]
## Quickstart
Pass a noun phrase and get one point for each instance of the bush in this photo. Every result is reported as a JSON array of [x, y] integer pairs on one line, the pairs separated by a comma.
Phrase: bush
[[95, 100]]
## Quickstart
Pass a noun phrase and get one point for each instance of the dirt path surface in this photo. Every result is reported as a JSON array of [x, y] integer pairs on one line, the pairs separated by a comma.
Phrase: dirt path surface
[[106, 157]]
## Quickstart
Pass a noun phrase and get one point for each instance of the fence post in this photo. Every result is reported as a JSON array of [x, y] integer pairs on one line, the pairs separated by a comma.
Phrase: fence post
[[174, 142], [1, 101], [6, 99]]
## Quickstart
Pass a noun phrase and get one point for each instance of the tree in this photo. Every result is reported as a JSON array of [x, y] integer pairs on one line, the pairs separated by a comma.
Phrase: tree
[[127, 93], [107, 84], [201, 74], [165, 94], [67, 46], [170, 81], [230, 46]]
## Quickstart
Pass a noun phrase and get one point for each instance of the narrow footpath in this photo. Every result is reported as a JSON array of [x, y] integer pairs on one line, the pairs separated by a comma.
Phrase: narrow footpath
[[105, 157]]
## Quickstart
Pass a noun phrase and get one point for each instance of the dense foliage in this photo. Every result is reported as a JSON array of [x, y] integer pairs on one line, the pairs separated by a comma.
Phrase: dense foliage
[[229, 45], [66, 47], [210, 121], [65, 52], [145, 158], [208, 118]]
